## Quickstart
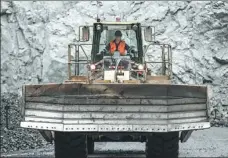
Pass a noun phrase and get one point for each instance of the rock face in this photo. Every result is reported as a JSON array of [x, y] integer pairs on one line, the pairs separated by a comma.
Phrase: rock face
[[35, 35]]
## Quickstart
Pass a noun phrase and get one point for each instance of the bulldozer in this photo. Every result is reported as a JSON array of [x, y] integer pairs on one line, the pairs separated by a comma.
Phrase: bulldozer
[[113, 97]]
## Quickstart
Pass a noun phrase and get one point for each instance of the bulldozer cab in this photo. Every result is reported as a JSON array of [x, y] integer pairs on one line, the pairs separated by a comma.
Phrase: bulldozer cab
[[147, 52], [103, 33]]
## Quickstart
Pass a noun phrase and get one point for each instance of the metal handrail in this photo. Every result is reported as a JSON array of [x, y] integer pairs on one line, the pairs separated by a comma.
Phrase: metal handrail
[[76, 61], [167, 62], [157, 62], [80, 45]]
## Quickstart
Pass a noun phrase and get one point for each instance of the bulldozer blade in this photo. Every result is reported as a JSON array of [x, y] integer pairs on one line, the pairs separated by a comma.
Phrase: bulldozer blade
[[115, 107]]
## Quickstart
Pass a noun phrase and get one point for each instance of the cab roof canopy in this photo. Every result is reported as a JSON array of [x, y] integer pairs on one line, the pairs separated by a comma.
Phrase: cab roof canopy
[[118, 25]]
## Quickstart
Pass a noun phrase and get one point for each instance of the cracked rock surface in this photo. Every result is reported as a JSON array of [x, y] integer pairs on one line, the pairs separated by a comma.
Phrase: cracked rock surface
[[35, 35]]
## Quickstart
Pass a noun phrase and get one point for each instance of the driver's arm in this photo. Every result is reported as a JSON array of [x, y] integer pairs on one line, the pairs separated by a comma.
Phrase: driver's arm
[[107, 47], [105, 50], [127, 46]]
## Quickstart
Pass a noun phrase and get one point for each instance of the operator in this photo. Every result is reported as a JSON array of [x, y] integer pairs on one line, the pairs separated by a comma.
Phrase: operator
[[117, 45]]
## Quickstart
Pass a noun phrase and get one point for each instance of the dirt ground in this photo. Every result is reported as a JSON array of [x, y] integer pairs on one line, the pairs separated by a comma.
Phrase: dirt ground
[[212, 142]]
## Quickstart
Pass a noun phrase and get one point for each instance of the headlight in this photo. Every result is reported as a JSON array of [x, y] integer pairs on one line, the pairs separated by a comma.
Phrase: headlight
[[135, 27], [140, 67], [98, 27], [92, 67]]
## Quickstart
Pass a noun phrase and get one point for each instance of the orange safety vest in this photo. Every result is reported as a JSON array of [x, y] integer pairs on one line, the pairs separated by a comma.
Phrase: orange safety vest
[[121, 47]]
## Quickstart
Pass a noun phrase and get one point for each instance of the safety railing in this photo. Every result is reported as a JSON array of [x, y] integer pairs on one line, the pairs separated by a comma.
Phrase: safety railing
[[77, 61], [166, 58]]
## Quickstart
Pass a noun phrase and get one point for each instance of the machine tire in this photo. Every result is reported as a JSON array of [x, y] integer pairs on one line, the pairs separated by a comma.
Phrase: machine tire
[[163, 145], [70, 145], [90, 145]]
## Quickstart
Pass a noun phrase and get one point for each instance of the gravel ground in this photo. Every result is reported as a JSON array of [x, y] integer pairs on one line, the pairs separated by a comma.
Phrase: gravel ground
[[212, 142], [15, 138]]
